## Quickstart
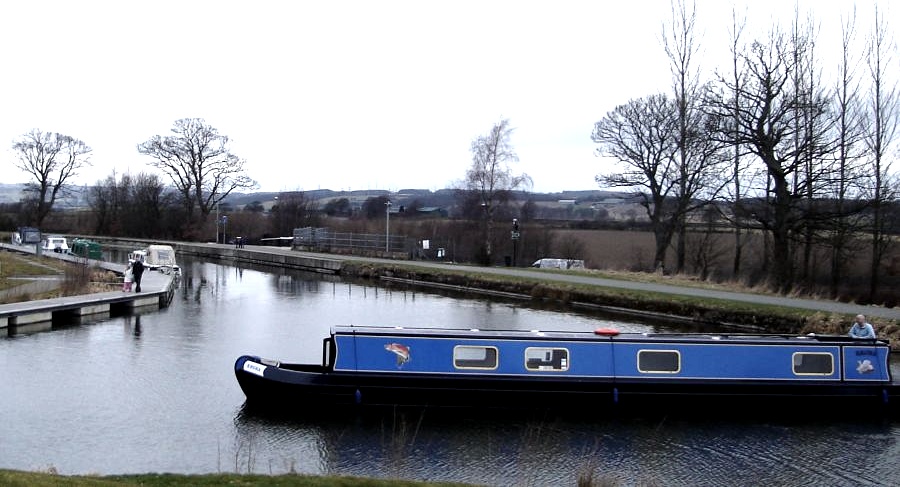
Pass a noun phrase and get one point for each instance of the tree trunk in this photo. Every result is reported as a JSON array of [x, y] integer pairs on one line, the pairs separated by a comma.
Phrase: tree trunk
[[782, 271]]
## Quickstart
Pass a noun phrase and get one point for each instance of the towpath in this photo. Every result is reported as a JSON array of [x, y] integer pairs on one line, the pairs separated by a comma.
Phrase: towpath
[[824, 305]]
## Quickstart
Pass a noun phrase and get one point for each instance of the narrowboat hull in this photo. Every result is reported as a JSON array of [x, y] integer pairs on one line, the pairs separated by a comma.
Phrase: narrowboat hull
[[580, 371], [314, 387]]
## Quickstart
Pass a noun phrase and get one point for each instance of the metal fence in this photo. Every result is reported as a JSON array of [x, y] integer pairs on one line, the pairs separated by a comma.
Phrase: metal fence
[[325, 240]]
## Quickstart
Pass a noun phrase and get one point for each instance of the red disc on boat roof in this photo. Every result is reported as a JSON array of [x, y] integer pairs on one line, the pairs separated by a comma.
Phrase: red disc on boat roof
[[609, 332]]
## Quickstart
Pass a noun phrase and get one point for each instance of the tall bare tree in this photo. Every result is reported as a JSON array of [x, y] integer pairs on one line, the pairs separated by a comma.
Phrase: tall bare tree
[[847, 156], [736, 47], [198, 161], [765, 125], [806, 115], [882, 121], [491, 178], [51, 159], [679, 41], [641, 135]]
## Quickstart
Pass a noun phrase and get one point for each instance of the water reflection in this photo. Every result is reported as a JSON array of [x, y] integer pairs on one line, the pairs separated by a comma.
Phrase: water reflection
[[531, 449], [133, 324]]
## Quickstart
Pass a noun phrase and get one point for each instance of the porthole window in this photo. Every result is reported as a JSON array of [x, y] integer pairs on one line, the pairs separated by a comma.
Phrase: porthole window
[[813, 363], [472, 357], [551, 359], [659, 361]]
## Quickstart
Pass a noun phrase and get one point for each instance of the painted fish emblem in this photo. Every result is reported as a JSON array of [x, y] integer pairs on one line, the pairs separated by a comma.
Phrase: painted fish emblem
[[401, 351], [864, 366]]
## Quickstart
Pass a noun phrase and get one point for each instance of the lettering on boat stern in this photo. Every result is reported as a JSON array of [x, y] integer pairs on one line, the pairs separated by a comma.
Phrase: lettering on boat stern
[[254, 368], [401, 351]]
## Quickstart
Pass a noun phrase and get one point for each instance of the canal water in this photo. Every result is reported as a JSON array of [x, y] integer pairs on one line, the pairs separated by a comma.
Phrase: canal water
[[155, 392]]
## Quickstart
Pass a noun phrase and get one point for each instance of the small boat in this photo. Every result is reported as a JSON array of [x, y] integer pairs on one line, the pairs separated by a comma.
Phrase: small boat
[[587, 371], [56, 244], [157, 258]]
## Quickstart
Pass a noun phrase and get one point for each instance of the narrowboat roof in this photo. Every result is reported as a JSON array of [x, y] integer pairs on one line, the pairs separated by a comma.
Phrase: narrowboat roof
[[603, 334]]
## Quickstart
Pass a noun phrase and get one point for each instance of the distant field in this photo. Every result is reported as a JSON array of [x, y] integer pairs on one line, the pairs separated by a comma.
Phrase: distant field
[[634, 251]]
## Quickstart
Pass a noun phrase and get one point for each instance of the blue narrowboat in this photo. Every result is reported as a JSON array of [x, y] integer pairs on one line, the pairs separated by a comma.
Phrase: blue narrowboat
[[574, 370]]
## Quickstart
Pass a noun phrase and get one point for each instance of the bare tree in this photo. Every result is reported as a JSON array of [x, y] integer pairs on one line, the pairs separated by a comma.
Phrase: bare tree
[[641, 134], [765, 125], [148, 200], [882, 121], [375, 207], [847, 128], [491, 178], [51, 159], [570, 248], [338, 207], [104, 199], [292, 210], [132, 206], [706, 249], [814, 149], [681, 48], [737, 29], [199, 163]]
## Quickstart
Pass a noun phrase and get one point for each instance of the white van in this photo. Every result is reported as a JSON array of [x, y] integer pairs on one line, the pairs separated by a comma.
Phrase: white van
[[558, 264]]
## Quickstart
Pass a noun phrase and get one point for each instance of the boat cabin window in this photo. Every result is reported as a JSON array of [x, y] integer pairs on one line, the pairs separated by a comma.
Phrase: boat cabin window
[[540, 358], [659, 361], [813, 363], [472, 357]]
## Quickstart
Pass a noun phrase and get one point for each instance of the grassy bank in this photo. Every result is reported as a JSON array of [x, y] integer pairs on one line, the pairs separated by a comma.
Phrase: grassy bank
[[14, 478], [74, 279], [21, 267], [705, 313]]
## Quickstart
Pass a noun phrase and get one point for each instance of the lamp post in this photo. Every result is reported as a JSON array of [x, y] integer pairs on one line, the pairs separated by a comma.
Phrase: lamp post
[[387, 227], [275, 213], [515, 239], [217, 223]]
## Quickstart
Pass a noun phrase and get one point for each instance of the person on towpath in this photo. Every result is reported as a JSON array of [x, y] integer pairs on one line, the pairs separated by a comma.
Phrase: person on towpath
[[138, 270]]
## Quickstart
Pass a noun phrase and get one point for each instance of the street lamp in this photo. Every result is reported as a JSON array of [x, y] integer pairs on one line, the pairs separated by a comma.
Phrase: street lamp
[[217, 222], [515, 239], [387, 227]]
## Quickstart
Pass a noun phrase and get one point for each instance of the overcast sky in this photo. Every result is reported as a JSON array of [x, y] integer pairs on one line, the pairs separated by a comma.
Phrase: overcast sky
[[353, 95]]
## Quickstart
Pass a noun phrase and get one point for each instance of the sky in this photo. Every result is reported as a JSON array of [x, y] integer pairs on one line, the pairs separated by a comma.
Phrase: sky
[[353, 95]]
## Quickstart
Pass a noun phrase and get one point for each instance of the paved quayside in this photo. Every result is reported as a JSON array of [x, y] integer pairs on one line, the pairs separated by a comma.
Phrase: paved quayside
[[157, 291]]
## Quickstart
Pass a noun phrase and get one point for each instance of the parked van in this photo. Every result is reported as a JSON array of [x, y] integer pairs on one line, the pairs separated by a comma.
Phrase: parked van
[[558, 264]]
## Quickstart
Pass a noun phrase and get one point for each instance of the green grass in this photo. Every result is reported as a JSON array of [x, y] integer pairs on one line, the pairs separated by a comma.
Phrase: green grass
[[13, 478], [13, 264], [23, 266]]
